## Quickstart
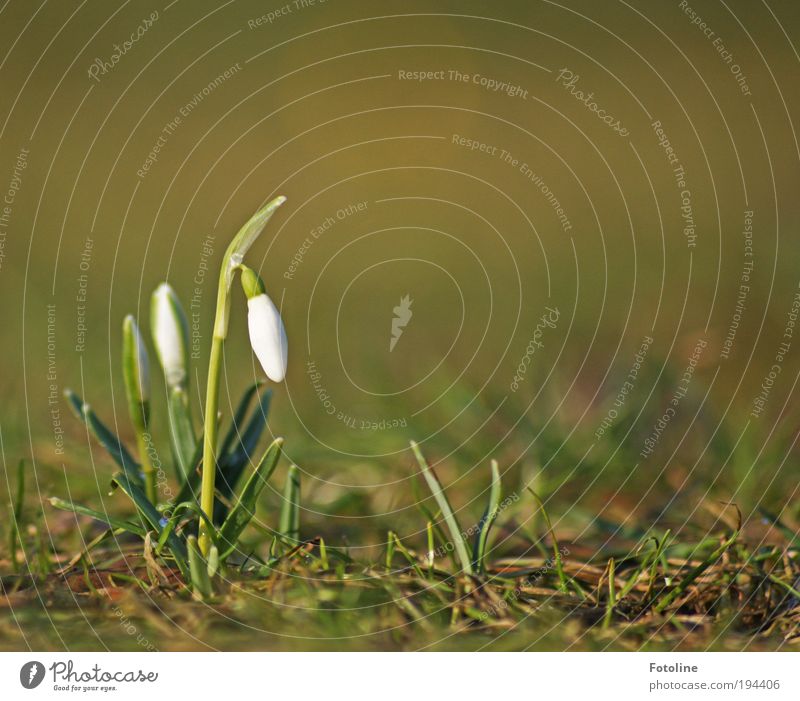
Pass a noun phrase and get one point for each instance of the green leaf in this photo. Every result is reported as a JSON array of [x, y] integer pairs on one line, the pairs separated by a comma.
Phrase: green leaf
[[247, 235], [290, 509], [232, 465], [431, 518], [456, 534], [252, 432], [104, 435], [488, 518], [151, 515], [189, 489], [612, 596], [245, 508], [181, 431], [179, 513], [198, 571], [238, 417], [115, 523]]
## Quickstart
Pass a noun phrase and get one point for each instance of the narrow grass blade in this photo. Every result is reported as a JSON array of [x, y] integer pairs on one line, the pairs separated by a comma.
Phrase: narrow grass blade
[[15, 525], [456, 534], [245, 507], [559, 565], [433, 519], [323, 554], [612, 602], [290, 510], [198, 571], [694, 574], [389, 550], [431, 547], [403, 550], [115, 523], [633, 577], [658, 557], [485, 524], [181, 431], [105, 436]]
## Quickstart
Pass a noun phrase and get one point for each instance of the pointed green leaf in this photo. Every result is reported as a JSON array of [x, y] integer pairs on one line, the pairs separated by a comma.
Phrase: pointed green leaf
[[245, 507], [456, 534], [234, 255], [255, 427], [150, 515], [489, 516], [116, 449], [694, 573], [189, 487], [248, 234], [115, 523], [181, 431], [290, 509], [233, 464], [238, 418]]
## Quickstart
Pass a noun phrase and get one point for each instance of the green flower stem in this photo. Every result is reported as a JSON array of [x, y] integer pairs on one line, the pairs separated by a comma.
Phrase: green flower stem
[[210, 432], [231, 261]]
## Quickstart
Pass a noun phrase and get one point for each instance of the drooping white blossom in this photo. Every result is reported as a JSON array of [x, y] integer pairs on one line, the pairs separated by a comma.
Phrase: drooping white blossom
[[267, 336]]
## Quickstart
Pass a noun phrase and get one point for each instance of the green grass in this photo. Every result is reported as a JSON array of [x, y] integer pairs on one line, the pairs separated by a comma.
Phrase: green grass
[[730, 587], [505, 559]]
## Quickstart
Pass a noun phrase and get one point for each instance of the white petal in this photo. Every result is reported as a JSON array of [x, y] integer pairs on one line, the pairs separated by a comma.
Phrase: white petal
[[267, 336], [168, 335]]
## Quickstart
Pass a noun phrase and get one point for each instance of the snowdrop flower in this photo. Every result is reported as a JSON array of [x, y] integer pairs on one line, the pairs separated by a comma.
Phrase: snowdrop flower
[[267, 334], [170, 332], [136, 372], [267, 337]]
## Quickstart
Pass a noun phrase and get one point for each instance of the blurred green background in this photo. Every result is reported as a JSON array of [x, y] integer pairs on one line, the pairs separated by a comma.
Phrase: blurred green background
[[390, 199]]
